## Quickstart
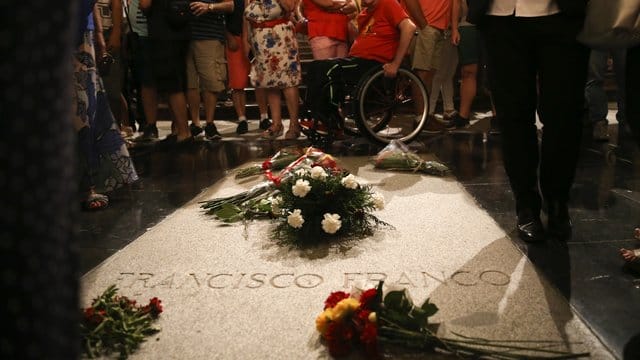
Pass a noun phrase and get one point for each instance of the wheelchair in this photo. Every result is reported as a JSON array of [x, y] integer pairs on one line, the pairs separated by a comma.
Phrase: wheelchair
[[379, 108]]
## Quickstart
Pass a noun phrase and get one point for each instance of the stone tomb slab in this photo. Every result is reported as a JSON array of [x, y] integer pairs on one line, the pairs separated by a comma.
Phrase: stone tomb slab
[[231, 292]]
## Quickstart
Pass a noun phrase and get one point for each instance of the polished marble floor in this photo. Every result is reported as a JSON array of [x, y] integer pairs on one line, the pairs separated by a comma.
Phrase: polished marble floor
[[587, 270]]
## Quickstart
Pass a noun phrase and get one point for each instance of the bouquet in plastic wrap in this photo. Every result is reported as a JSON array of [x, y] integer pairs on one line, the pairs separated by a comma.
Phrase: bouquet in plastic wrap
[[397, 156]]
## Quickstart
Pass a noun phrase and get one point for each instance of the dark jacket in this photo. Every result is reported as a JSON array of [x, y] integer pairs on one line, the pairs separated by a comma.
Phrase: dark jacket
[[478, 9]]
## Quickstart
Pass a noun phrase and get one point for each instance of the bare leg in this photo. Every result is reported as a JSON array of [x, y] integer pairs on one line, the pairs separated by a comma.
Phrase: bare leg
[[468, 88], [178, 104], [210, 102], [239, 98], [149, 104], [193, 98], [292, 97]]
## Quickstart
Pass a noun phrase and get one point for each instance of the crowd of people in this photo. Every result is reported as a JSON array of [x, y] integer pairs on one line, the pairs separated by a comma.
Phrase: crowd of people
[[193, 51]]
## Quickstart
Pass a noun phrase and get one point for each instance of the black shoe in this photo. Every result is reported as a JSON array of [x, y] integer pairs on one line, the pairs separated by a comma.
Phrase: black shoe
[[457, 122], [530, 227], [265, 124], [559, 223], [150, 133], [243, 127], [434, 126], [211, 132], [195, 129]]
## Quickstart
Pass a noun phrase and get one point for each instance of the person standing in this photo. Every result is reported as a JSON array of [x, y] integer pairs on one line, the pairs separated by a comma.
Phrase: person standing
[[596, 97], [537, 65], [169, 40], [431, 17], [276, 65], [327, 26], [206, 64]]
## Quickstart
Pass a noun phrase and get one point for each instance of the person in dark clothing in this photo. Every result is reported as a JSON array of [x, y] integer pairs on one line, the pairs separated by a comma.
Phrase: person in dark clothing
[[537, 66]]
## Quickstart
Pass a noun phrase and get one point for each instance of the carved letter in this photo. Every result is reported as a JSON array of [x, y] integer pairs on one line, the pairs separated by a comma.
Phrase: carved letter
[[408, 282], [168, 282], [461, 272], [121, 278], [273, 281], [312, 280], [374, 278], [426, 275], [259, 280], [193, 276], [496, 282], [239, 280], [144, 277], [348, 279], [215, 276]]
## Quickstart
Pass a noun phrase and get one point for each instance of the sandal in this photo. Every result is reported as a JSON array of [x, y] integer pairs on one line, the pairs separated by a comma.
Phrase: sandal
[[271, 133], [95, 201], [292, 134]]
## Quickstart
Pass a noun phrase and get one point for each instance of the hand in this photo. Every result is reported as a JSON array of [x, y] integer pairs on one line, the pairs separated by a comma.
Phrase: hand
[[115, 42], [390, 69], [100, 44], [232, 44], [455, 37], [199, 8], [628, 255]]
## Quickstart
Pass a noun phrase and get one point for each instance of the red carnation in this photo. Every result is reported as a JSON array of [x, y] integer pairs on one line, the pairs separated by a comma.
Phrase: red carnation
[[362, 317], [156, 306], [93, 317], [334, 299], [369, 337], [339, 348], [266, 165], [367, 299], [339, 336]]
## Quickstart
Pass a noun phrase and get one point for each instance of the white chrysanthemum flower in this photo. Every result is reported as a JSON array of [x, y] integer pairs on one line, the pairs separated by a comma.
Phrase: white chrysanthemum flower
[[295, 219], [301, 188], [331, 223], [301, 172], [378, 201], [318, 173], [275, 204], [349, 182]]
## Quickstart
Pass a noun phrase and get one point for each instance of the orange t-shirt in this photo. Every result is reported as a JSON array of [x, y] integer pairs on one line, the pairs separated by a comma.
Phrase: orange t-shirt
[[436, 12], [324, 23], [379, 33]]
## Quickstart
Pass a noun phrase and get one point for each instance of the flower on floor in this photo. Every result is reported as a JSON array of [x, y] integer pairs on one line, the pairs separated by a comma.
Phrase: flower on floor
[[397, 156], [370, 319], [312, 198], [277, 162], [116, 324], [332, 203]]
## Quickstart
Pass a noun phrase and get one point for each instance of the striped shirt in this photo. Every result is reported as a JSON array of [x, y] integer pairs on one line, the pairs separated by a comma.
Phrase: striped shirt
[[138, 19], [210, 26]]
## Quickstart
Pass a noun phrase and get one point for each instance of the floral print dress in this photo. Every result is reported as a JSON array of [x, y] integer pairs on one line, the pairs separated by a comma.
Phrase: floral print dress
[[275, 49]]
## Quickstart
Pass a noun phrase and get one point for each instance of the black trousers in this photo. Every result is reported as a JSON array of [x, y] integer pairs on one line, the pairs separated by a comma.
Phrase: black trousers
[[536, 65], [633, 91]]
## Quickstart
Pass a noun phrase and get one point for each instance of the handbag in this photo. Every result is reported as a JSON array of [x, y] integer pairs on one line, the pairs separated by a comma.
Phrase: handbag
[[611, 24]]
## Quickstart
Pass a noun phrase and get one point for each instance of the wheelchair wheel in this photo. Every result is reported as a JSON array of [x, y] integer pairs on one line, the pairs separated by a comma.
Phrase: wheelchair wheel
[[392, 108]]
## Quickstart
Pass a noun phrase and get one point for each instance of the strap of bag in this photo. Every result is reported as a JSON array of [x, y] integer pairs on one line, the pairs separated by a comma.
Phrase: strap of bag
[[125, 5]]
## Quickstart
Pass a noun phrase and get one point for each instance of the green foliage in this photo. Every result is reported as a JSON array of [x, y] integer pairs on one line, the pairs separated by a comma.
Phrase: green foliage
[[115, 324], [327, 196]]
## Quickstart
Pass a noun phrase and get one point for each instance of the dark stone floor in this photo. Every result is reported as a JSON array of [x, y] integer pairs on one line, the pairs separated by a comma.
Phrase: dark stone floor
[[587, 270]]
